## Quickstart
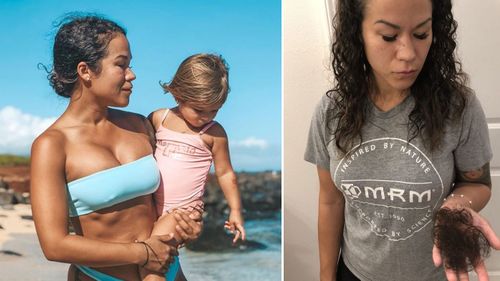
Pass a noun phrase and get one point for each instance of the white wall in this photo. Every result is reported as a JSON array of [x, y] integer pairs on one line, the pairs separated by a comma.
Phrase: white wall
[[479, 43], [306, 74]]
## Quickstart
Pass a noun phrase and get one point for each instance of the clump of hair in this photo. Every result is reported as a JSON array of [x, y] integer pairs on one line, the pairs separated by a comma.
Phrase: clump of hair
[[462, 245], [201, 79]]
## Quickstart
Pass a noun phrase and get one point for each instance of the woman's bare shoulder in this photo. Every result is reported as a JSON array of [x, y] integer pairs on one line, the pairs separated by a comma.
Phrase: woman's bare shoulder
[[49, 145]]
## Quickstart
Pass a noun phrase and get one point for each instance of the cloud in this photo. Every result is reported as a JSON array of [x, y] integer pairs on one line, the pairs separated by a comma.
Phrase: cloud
[[251, 142], [253, 154], [19, 129]]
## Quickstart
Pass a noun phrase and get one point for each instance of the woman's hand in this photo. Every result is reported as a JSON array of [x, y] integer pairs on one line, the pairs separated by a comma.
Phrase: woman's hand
[[189, 225], [235, 225], [485, 228], [160, 251]]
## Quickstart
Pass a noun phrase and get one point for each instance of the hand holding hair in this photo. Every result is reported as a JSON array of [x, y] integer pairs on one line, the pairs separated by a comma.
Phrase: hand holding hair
[[462, 240]]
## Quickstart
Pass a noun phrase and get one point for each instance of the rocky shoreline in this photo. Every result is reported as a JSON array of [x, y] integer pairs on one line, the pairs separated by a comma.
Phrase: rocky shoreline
[[261, 199]]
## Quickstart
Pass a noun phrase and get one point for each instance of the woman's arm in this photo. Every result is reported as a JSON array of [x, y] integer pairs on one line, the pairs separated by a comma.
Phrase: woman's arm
[[228, 182], [330, 225], [472, 191], [50, 214]]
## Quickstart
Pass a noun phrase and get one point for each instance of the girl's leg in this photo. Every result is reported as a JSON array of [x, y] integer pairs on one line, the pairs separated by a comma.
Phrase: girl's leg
[[165, 225]]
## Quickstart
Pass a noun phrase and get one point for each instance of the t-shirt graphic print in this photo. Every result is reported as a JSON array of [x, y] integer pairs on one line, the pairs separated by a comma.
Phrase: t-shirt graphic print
[[395, 202]]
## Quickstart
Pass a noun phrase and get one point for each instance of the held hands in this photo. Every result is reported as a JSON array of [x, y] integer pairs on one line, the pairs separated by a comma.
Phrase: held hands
[[189, 225], [488, 234], [159, 252], [235, 225]]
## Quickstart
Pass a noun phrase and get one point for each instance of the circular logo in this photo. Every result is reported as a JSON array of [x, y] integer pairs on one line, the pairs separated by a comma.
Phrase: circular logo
[[392, 186]]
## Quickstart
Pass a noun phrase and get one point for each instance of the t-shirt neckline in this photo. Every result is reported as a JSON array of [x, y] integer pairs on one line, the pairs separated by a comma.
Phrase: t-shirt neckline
[[393, 111]]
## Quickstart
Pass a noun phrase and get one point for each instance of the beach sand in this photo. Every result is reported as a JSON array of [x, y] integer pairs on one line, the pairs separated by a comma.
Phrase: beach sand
[[21, 257]]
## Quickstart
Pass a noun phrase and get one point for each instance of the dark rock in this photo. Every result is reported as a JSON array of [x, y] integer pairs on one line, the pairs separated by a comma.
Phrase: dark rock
[[6, 196], [260, 194], [261, 198], [10, 253], [27, 217], [215, 239]]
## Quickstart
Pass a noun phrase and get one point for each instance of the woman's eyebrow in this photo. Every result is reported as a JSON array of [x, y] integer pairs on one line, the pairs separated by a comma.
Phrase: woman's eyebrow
[[395, 26], [123, 57]]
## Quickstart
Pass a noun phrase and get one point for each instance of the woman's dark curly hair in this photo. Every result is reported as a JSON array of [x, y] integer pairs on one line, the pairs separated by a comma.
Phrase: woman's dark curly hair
[[79, 39], [440, 90]]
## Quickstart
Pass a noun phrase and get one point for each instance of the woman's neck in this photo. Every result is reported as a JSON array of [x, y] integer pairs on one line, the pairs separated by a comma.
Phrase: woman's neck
[[86, 111], [388, 99]]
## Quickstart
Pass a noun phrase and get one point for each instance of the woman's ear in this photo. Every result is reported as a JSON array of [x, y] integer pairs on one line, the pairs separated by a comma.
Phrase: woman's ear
[[83, 71]]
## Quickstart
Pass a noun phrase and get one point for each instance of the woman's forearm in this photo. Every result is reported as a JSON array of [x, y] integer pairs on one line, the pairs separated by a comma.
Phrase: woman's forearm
[[472, 195], [472, 189], [330, 224], [79, 250], [330, 227]]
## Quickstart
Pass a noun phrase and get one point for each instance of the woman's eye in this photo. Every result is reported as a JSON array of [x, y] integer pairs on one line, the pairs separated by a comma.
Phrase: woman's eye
[[389, 38], [421, 36]]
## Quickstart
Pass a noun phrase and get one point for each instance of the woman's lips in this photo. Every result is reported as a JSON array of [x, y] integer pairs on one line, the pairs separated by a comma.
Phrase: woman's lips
[[405, 73]]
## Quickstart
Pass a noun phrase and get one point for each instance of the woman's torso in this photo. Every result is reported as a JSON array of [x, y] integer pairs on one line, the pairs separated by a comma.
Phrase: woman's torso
[[91, 151]]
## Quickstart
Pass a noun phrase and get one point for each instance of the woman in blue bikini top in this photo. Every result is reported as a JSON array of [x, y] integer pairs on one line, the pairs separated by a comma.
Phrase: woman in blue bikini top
[[94, 167]]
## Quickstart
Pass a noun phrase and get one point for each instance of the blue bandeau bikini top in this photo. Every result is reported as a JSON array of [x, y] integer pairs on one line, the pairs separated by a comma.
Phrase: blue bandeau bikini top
[[112, 186]]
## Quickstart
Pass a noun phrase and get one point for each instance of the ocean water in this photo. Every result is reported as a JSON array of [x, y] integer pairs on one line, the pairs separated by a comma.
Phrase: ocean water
[[261, 265]]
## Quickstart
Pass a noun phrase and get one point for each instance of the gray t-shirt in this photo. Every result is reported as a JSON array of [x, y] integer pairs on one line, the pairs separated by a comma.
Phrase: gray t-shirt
[[392, 188]]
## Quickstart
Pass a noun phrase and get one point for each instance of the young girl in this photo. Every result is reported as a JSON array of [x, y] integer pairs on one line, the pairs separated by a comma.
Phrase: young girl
[[188, 140]]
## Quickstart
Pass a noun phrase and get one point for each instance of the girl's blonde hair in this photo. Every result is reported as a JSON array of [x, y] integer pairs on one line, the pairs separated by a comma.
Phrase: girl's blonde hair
[[201, 79]]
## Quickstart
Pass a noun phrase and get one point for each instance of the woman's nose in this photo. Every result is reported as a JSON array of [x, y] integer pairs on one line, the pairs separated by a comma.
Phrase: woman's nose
[[130, 75], [406, 50]]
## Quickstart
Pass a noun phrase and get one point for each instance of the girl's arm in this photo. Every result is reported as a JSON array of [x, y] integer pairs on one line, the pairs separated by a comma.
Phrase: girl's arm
[[330, 225], [227, 181], [50, 214]]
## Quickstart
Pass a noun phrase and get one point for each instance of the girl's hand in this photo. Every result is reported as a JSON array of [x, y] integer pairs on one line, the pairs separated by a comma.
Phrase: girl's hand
[[189, 225], [160, 252], [235, 225], [483, 225]]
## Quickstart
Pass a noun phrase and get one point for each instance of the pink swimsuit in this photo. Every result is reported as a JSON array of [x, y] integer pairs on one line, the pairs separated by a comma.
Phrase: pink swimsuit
[[184, 161]]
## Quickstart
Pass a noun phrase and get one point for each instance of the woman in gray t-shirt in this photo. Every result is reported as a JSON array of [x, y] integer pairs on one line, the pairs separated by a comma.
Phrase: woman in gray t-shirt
[[398, 134]]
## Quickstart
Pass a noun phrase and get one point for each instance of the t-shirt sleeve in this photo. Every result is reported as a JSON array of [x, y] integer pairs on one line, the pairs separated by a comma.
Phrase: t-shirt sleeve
[[474, 148], [317, 141]]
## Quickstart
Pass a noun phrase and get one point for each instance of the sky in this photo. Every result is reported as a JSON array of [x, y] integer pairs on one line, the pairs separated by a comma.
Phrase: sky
[[247, 33]]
